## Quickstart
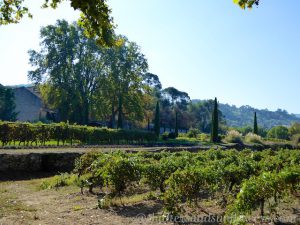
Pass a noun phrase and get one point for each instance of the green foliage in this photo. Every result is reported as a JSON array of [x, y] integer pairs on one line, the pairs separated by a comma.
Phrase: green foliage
[[296, 140], [233, 136], [200, 116], [7, 104], [255, 127], [253, 138], [256, 191], [157, 120], [40, 133], [246, 3], [176, 124], [279, 132], [58, 181], [90, 82], [95, 16], [193, 133], [173, 105], [120, 172], [246, 180], [215, 123], [172, 135], [165, 136], [243, 116], [294, 129]]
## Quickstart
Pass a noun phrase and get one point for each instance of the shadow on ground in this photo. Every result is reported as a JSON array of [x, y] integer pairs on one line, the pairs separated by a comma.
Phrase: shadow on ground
[[139, 209], [19, 176]]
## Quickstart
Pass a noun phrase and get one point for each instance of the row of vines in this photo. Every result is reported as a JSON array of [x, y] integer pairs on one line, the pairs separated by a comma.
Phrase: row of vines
[[61, 133], [243, 182]]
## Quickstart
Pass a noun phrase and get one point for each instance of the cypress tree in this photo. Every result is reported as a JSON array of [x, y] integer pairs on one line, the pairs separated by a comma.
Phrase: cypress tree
[[112, 119], [215, 123], [255, 127], [176, 123], [120, 115], [157, 120]]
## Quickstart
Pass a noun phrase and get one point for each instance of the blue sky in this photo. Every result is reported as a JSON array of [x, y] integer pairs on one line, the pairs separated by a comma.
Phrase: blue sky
[[206, 48]]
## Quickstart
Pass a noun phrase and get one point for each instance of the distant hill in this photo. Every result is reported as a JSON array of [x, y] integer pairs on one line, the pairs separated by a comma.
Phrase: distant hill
[[243, 116]]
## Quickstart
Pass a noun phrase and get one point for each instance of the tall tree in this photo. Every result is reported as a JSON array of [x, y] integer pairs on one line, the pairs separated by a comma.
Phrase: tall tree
[[255, 127], [173, 101], [70, 68], [176, 123], [157, 120], [7, 104], [152, 88], [200, 115], [126, 67], [120, 113], [215, 123]]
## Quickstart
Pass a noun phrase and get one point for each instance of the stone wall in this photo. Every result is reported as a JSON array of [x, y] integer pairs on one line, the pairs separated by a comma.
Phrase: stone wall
[[38, 162]]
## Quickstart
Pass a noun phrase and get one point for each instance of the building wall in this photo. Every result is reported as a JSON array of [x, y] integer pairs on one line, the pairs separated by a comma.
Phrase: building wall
[[28, 105]]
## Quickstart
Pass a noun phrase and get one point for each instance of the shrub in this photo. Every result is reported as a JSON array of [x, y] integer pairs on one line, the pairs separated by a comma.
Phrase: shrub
[[279, 132], [233, 136], [253, 138], [296, 140], [204, 137], [28, 133], [58, 181], [193, 133], [165, 136], [294, 129], [172, 135]]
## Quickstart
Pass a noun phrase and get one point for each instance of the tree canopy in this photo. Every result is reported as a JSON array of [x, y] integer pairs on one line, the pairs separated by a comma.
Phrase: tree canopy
[[84, 81], [95, 16], [7, 104], [246, 3]]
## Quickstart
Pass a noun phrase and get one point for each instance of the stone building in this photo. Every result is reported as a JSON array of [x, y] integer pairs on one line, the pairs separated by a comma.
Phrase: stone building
[[29, 105]]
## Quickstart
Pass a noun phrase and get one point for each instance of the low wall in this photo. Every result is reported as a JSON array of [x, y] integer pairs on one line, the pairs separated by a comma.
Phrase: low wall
[[38, 162], [63, 161]]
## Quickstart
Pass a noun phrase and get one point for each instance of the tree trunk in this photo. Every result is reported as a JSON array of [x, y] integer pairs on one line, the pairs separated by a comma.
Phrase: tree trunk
[[262, 206]]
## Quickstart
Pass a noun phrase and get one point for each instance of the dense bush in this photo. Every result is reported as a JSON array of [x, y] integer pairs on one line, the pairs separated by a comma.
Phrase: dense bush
[[28, 134], [296, 140], [279, 132], [193, 133], [253, 138], [233, 136], [172, 135], [294, 129]]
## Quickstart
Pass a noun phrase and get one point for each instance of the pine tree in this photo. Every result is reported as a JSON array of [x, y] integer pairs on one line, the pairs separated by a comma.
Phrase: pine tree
[[157, 120], [176, 123], [215, 123], [255, 127]]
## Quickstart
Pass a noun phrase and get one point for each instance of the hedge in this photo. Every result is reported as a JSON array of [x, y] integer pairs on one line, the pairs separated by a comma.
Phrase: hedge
[[28, 133]]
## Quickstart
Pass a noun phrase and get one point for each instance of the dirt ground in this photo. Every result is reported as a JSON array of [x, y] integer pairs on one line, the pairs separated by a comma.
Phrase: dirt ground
[[22, 202]]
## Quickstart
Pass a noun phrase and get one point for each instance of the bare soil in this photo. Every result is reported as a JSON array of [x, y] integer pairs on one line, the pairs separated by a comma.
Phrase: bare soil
[[22, 203]]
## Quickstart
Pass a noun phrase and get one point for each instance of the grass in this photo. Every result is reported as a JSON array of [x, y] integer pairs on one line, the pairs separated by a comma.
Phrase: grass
[[58, 181], [107, 202]]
